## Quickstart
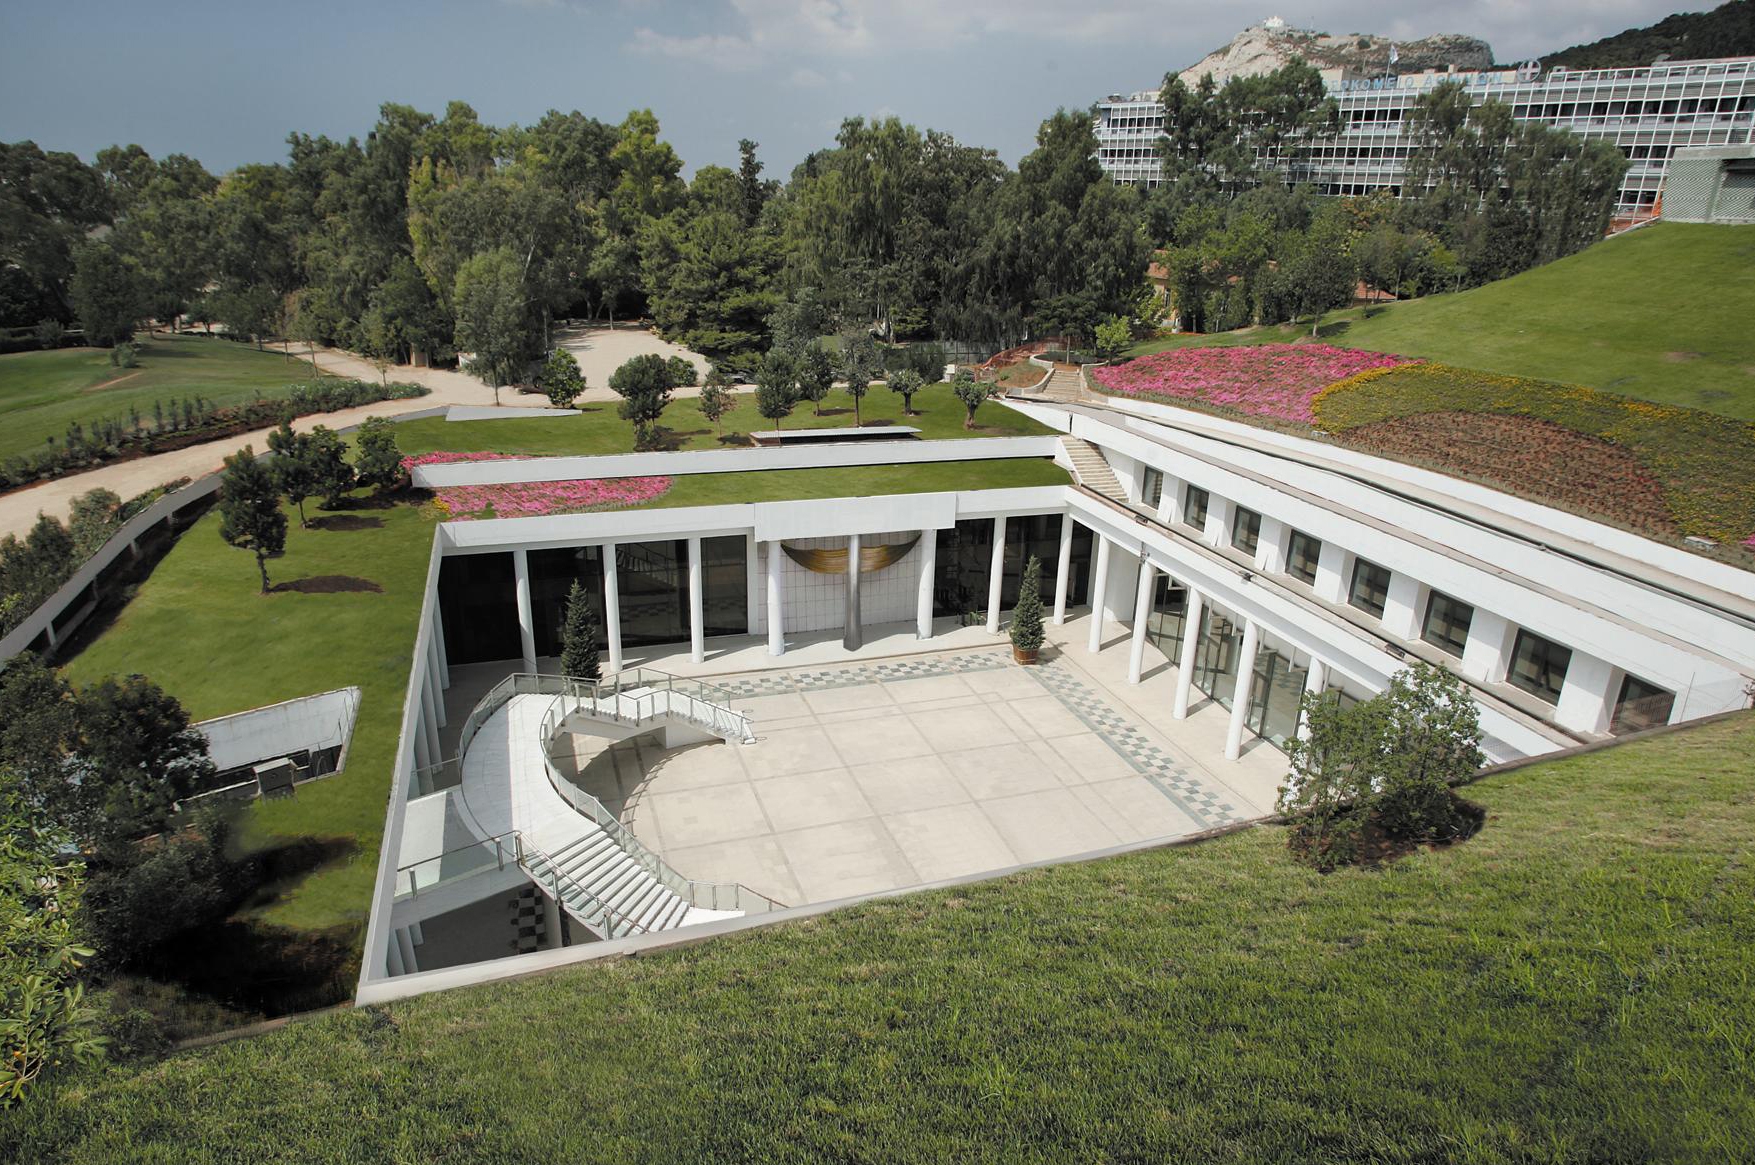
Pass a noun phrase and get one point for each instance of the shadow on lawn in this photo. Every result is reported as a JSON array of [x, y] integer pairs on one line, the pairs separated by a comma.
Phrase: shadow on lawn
[[328, 584], [346, 522]]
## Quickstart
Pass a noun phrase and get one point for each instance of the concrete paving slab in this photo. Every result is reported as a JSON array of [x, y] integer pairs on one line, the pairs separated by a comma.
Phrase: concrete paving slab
[[928, 688], [949, 841], [1003, 770], [756, 862], [716, 813], [787, 751], [806, 799], [1087, 757], [880, 738], [859, 697], [849, 857], [1049, 824], [911, 783], [951, 729]]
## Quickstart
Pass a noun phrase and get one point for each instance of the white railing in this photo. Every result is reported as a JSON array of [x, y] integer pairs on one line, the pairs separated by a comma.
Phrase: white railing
[[630, 697]]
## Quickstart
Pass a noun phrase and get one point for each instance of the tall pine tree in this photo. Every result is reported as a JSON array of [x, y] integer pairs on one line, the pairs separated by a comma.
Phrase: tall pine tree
[[579, 634]]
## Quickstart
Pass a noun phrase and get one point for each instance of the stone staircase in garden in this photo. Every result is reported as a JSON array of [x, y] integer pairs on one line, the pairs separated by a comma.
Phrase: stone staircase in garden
[[1063, 385], [1091, 470]]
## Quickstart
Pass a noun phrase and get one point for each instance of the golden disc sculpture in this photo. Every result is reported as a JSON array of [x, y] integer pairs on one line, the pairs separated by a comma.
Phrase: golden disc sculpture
[[834, 561]]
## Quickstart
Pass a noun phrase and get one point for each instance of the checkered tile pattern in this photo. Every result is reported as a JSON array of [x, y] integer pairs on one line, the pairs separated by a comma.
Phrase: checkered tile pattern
[[527, 919], [1201, 802], [1204, 804]]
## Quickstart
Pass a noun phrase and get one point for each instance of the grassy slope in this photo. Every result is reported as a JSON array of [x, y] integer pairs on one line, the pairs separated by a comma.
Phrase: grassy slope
[[41, 393], [599, 430], [1661, 313], [1571, 985], [199, 628]]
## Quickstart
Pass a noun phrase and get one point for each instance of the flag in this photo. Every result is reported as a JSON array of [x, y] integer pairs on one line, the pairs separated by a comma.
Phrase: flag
[[1393, 55]]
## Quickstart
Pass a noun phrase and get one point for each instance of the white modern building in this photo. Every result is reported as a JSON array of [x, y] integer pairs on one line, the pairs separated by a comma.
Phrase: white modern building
[[1216, 571], [1648, 113]]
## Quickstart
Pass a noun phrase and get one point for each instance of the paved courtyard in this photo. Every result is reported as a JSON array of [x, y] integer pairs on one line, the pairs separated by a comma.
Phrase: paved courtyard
[[878, 775]]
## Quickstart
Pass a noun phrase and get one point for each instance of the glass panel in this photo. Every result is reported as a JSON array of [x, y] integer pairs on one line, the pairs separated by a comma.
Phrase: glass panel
[[1194, 509], [965, 557], [1641, 706], [552, 573], [1245, 530], [1447, 623], [1152, 487], [1370, 589], [1273, 697], [478, 604], [725, 591], [1538, 666], [1301, 557], [1169, 617], [1215, 660], [653, 581]]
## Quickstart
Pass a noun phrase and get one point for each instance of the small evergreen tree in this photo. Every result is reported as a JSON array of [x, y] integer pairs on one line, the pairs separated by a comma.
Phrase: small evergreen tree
[[644, 383], [1027, 615], [293, 474], [250, 514], [331, 475], [816, 375], [682, 372], [378, 461], [776, 388], [560, 379], [579, 636], [971, 392], [860, 364], [715, 401]]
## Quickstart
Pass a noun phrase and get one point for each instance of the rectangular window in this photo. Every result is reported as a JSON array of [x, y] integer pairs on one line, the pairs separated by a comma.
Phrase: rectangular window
[[1370, 589], [1447, 623], [1538, 666], [1152, 488], [1194, 508], [1302, 553], [1245, 530], [1640, 706]]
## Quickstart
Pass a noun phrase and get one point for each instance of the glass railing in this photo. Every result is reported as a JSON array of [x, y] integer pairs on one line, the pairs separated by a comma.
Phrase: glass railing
[[463, 862]]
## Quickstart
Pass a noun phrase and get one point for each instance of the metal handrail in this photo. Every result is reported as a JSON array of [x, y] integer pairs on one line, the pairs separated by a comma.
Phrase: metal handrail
[[594, 909], [707, 895]]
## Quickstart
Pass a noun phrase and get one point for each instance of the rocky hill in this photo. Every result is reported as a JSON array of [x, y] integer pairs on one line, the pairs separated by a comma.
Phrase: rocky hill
[[1265, 47], [1726, 31]]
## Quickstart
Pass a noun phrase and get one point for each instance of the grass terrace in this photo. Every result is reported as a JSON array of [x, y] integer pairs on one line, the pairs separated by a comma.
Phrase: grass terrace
[[597, 429], [1661, 313], [1571, 985], [42, 393]]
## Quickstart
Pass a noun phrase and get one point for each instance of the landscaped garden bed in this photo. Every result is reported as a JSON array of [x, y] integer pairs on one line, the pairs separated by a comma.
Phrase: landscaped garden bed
[[535, 499], [1277, 381]]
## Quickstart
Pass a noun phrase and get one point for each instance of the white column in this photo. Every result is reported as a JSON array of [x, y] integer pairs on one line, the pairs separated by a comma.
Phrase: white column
[[1142, 613], [1485, 649], [776, 601], [1240, 693], [1185, 662], [1401, 606], [1270, 550], [1099, 593], [1063, 569], [1217, 531], [612, 609], [851, 636], [436, 679], [1170, 507], [430, 720], [752, 578], [1330, 586], [551, 921], [526, 623], [996, 575], [405, 944], [1315, 684], [1587, 694], [928, 578], [697, 604], [439, 646], [423, 758]]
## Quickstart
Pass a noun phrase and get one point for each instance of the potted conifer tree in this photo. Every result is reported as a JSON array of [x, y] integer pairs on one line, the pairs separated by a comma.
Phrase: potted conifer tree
[[579, 638], [1027, 615]]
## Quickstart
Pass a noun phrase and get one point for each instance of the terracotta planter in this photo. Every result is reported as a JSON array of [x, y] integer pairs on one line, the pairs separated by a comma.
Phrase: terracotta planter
[[1025, 655]]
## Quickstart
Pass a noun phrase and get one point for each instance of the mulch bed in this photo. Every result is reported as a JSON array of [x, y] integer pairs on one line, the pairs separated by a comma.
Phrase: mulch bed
[[1537, 459]]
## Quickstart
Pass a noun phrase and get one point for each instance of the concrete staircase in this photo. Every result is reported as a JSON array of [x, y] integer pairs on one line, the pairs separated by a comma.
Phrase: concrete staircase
[[1064, 385], [598, 882], [1091, 470]]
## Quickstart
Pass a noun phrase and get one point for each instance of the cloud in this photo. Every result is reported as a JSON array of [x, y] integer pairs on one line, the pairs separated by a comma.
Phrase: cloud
[[807, 79]]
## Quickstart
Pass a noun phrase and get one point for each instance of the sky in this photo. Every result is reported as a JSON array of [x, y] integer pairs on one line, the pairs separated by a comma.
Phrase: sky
[[226, 82]]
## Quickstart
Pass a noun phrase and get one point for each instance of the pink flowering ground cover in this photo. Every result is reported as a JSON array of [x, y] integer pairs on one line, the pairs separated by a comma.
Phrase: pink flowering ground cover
[[537, 498], [1268, 380], [451, 458]]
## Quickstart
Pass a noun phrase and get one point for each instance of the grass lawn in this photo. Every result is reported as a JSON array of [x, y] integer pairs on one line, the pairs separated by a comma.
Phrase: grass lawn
[[598, 430], [1572, 985], [199, 628], [718, 489], [41, 393], [1662, 313]]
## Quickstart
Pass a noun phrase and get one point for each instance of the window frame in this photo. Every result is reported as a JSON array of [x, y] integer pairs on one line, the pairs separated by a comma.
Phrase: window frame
[[1293, 558], [1353, 593], [1549, 695], [1450, 647]]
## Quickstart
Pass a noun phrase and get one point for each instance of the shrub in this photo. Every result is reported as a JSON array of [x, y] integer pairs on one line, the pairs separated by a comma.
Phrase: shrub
[[125, 355], [560, 380]]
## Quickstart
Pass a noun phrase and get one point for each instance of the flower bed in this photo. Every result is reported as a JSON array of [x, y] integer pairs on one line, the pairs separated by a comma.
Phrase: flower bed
[[1269, 380], [537, 498], [452, 458]]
